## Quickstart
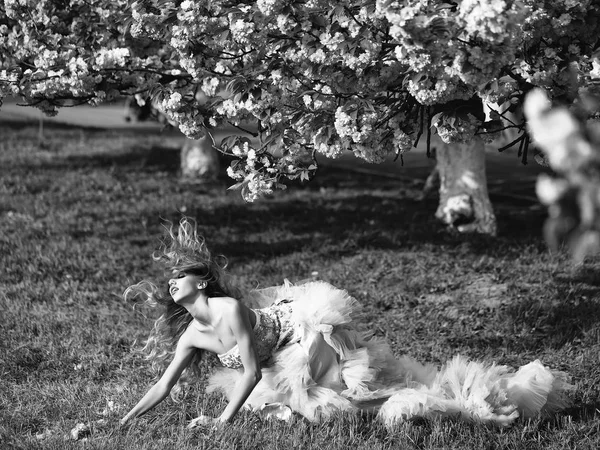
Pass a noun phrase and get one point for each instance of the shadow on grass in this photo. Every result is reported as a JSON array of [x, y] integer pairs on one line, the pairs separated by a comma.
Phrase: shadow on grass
[[583, 412], [589, 276], [555, 322], [324, 224], [341, 213], [366, 211], [155, 158], [33, 124], [361, 221]]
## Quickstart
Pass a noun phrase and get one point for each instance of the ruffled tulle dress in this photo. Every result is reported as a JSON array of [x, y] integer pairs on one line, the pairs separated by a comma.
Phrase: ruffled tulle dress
[[316, 362]]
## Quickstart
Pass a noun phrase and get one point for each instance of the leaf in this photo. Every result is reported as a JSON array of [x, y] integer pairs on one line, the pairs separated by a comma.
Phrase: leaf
[[229, 142], [275, 63], [541, 159], [239, 185], [256, 93], [438, 26], [418, 77], [303, 120], [337, 11], [224, 36], [237, 85], [244, 140], [436, 118], [492, 125], [319, 21]]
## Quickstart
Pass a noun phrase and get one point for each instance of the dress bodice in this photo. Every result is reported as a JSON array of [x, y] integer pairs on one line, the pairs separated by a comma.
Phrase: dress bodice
[[272, 330]]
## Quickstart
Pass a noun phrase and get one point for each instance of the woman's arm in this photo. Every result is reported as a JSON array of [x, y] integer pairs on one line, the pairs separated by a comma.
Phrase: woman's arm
[[242, 330], [157, 393]]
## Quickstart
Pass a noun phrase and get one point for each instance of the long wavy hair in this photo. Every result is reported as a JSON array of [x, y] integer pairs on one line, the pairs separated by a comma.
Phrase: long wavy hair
[[181, 251]]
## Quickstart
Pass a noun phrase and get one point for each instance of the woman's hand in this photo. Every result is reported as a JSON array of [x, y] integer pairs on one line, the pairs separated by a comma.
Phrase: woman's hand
[[204, 421]]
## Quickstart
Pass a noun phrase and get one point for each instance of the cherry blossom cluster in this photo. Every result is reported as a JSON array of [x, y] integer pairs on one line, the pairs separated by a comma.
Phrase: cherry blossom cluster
[[560, 37], [64, 53], [314, 78]]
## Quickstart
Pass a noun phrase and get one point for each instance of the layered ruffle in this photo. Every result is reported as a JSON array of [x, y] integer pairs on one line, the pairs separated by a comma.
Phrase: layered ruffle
[[331, 366]]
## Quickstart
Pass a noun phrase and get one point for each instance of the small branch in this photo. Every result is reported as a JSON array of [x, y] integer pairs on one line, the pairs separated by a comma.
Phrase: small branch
[[260, 130], [520, 152], [502, 114], [421, 125], [387, 35], [525, 145], [307, 87], [510, 144], [429, 132], [233, 56], [516, 77], [110, 70], [508, 127], [251, 133], [214, 144]]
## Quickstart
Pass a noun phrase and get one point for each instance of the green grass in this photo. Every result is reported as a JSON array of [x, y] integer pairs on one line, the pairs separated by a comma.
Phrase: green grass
[[80, 218]]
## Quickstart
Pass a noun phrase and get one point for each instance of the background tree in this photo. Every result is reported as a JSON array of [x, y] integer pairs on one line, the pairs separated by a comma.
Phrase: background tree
[[313, 77]]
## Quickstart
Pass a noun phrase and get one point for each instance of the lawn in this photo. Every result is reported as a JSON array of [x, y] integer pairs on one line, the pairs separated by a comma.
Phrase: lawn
[[81, 214]]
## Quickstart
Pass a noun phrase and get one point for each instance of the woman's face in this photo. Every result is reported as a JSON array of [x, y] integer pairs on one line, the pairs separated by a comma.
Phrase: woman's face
[[183, 286]]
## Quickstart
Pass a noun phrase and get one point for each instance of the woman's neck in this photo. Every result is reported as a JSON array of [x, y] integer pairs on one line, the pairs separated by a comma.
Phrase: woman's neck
[[199, 309]]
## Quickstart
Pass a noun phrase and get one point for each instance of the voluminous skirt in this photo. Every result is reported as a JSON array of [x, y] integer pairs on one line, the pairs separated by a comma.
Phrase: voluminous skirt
[[331, 366]]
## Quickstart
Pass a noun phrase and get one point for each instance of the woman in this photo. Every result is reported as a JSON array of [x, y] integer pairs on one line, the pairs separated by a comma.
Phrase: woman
[[296, 349]]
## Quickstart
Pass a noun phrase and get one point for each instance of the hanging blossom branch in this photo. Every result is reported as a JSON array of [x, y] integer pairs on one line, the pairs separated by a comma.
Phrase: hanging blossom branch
[[322, 77]]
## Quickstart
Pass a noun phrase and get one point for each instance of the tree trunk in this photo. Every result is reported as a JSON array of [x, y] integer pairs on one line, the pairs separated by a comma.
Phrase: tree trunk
[[464, 200], [199, 161]]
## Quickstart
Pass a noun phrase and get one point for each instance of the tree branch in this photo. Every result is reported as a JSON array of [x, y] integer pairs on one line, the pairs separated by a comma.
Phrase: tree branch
[[510, 144]]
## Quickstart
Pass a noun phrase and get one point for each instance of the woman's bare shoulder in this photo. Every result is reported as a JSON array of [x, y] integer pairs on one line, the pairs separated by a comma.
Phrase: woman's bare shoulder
[[229, 310], [228, 304]]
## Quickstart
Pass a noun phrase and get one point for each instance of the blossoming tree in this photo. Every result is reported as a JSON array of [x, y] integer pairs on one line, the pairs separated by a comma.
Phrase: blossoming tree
[[313, 77]]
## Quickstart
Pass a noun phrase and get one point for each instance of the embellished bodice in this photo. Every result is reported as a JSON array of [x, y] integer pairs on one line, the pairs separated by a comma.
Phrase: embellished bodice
[[273, 329]]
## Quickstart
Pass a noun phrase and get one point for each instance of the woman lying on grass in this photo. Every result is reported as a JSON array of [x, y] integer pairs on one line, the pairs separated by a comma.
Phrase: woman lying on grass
[[297, 349]]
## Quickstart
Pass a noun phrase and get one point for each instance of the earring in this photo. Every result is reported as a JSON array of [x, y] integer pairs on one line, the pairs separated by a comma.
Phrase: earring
[[201, 285]]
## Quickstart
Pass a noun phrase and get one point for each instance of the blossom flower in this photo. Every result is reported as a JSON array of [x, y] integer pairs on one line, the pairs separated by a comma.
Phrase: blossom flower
[[116, 57], [241, 30], [595, 72], [267, 7], [173, 102]]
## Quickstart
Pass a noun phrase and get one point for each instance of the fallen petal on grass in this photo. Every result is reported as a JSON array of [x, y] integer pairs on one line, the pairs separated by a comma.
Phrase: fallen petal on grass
[[44, 434], [80, 431]]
